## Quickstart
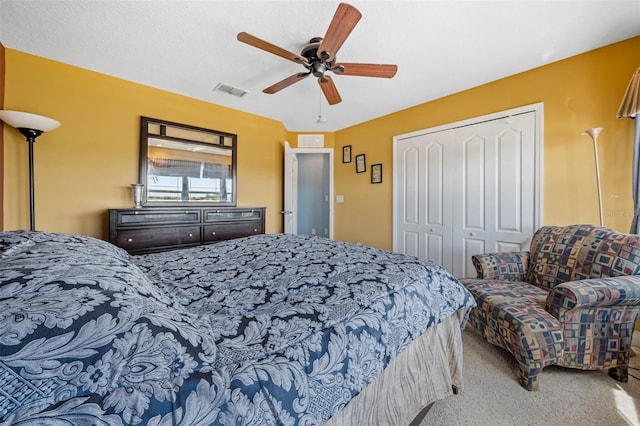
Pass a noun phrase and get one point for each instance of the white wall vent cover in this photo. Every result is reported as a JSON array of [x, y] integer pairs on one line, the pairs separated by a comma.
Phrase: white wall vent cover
[[310, 141], [226, 88]]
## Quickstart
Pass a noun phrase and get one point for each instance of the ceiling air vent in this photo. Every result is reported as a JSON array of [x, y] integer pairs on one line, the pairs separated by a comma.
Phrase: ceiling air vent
[[222, 87]]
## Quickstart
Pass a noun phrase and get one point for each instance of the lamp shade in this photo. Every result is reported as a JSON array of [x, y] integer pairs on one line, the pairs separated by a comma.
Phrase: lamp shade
[[630, 106], [26, 120]]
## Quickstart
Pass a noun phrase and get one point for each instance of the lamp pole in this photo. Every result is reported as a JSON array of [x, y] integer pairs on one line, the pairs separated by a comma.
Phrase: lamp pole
[[31, 135], [594, 132]]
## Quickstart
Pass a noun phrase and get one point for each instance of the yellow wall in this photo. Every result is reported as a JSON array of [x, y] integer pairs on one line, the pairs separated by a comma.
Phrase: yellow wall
[[87, 165], [578, 93]]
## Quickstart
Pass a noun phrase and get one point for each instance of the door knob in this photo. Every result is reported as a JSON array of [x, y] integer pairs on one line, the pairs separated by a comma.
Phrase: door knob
[[472, 234]]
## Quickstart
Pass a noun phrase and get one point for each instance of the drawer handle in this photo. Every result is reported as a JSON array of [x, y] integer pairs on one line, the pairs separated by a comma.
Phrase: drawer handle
[[255, 230], [191, 235], [213, 233], [129, 240]]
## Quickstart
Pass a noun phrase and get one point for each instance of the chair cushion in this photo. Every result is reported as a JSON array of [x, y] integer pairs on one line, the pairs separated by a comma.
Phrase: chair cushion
[[567, 253], [521, 292], [513, 316]]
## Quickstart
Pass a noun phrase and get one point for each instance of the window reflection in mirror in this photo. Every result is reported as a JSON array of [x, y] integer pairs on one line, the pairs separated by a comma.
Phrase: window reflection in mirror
[[186, 164]]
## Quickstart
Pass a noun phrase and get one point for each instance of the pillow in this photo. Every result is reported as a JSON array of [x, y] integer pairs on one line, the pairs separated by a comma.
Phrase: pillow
[[78, 317], [15, 242]]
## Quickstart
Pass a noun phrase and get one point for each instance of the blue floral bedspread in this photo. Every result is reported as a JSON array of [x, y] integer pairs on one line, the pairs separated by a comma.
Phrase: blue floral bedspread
[[269, 329]]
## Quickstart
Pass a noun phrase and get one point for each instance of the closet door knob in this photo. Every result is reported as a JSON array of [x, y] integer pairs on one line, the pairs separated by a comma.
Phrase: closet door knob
[[472, 234]]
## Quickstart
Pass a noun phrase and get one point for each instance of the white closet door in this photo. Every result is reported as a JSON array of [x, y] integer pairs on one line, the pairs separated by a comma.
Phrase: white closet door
[[467, 189], [494, 207], [424, 226]]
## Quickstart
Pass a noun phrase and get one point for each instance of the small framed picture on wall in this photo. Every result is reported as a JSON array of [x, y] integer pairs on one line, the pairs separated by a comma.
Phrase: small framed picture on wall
[[361, 165], [376, 173], [346, 154]]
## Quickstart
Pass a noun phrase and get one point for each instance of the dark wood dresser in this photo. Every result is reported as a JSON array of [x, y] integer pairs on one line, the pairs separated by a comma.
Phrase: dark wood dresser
[[151, 229]]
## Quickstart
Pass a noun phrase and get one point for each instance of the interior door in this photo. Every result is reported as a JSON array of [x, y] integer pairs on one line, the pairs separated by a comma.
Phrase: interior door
[[467, 188], [425, 226], [290, 190], [494, 208]]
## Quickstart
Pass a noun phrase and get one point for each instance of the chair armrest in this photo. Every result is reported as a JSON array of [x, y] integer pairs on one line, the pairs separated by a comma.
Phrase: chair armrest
[[616, 291], [501, 266]]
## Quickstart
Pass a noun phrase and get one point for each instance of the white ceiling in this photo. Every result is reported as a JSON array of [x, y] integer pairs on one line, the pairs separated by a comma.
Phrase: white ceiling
[[188, 47]]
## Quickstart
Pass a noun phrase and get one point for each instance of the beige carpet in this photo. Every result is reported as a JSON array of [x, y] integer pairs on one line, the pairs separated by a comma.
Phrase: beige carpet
[[492, 395]]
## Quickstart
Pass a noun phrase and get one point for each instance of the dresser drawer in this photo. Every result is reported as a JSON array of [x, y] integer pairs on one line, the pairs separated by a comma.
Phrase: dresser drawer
[[158, 217], [228, 231], [220, 215], [138, 239]]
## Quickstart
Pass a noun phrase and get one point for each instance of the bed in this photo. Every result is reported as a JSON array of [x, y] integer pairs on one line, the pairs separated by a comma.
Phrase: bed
[[268, 329]]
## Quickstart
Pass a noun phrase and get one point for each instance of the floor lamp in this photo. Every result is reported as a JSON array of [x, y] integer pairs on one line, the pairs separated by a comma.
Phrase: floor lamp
[[31, 126], [594, 132], [630, 108]]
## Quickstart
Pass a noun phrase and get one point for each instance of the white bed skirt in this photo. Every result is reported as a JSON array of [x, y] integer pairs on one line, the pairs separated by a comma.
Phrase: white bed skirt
[[424, 373]]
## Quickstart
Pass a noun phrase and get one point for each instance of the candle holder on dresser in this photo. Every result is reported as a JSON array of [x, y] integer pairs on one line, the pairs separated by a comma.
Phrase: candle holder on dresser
[[137, 189]]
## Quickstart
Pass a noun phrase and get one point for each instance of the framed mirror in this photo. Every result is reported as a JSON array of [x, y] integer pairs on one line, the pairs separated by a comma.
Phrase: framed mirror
[[186, 164]]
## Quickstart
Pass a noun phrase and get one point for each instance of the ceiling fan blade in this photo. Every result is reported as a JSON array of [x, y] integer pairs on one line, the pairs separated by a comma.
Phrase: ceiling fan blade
[[271, 48], [366, 70], [329, 89], [343, 22], [285, 83]]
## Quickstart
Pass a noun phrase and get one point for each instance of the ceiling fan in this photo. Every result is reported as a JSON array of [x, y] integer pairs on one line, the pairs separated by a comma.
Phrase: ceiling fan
[[319, 56]]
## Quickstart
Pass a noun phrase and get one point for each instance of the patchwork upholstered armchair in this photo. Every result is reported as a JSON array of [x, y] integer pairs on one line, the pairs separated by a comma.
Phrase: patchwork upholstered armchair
[[572, 300]]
